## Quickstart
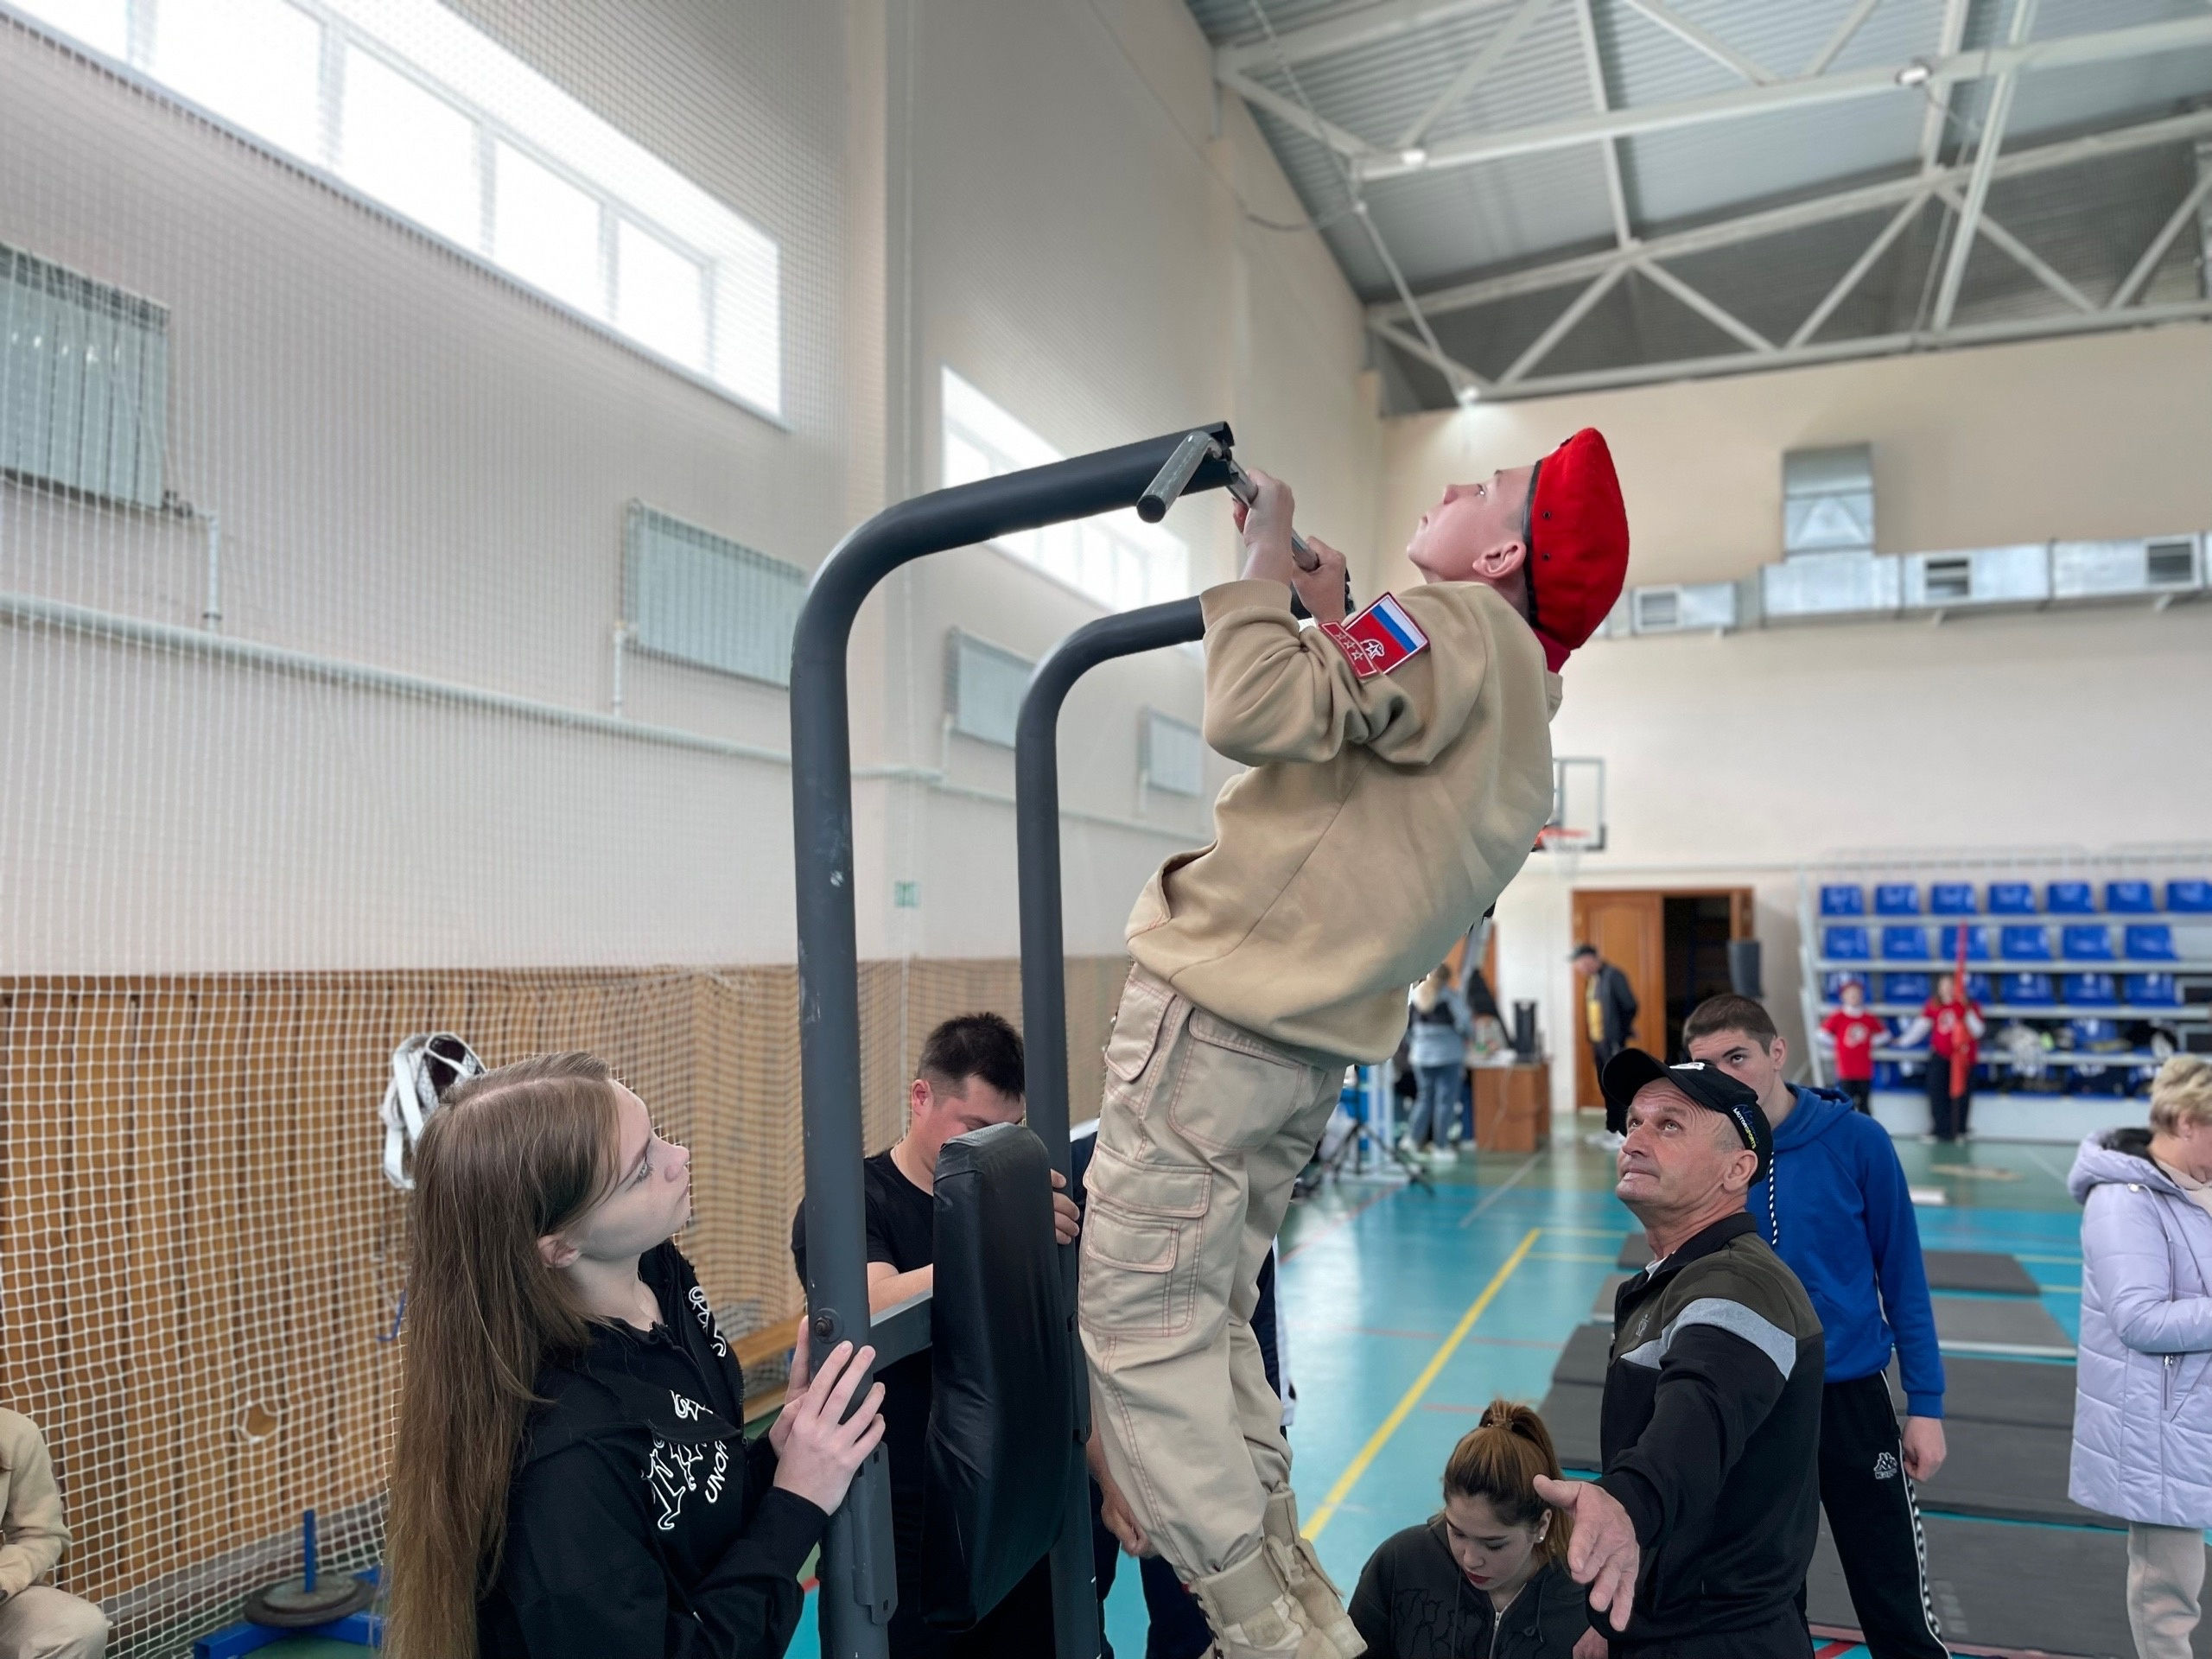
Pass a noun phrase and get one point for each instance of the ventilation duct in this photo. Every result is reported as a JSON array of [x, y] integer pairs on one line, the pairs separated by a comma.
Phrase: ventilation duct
[[1828, 500]]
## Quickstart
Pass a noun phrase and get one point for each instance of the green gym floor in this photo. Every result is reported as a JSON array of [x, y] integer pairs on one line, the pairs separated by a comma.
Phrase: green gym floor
[[1410, 1309]]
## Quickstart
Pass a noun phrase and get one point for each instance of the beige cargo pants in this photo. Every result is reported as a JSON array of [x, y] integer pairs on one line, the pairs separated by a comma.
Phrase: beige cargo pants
[[1203, 1128]]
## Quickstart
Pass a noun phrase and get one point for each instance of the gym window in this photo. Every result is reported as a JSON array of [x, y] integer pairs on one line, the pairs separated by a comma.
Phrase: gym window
[[1115, 559], [411, 108]]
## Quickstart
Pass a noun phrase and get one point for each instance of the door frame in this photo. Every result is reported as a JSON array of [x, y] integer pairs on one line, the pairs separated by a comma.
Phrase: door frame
[[1647, 975]]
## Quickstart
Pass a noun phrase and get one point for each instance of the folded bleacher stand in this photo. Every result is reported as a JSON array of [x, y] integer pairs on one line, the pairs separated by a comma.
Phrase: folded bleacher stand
[[857, 1573]]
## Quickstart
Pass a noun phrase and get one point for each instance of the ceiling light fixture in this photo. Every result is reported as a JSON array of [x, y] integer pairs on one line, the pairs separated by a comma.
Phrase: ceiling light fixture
[[1415, 156], [1918, 73], [1468, 396]]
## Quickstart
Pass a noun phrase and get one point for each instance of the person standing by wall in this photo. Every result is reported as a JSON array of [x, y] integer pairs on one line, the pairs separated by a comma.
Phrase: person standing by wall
[[2143, 1400], [1609, 1007], [1953, 1025], [1836, 1208], [36, 1620], [1849, 1033], [1436, 1038]]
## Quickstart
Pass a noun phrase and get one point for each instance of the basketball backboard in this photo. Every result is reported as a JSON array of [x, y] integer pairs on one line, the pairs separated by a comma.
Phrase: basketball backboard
[[1578, 821]]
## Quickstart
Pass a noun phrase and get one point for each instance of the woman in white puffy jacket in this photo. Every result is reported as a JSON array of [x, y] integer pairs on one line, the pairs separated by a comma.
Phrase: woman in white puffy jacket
[[2143, 1408]]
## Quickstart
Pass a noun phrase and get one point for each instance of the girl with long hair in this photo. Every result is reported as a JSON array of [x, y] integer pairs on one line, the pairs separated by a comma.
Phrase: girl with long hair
[[1486, 1577], [571, 1478]]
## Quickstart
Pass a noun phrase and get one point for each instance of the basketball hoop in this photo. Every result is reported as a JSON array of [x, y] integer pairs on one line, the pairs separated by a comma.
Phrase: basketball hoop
[[1568, 845]]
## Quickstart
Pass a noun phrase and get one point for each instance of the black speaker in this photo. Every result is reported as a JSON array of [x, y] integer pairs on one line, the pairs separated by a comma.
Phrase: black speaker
[[1744, 968], [1524, 1032]]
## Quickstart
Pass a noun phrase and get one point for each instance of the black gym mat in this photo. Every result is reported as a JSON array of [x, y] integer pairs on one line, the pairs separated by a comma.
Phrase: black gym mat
[[2000, 1325], [1571, 1412], [2006, 1471], [1601, 1306], [2030, 1393], [1983, 1270], [2057, 1590], [1635, 1252], [1583, 1360]]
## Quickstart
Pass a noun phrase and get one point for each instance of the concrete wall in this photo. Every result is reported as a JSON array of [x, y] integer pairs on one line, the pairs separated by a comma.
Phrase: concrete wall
[[1733, 761], [418, 467]]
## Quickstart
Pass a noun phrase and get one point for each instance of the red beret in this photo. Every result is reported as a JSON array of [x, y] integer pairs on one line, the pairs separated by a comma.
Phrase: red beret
[[1578, 545]]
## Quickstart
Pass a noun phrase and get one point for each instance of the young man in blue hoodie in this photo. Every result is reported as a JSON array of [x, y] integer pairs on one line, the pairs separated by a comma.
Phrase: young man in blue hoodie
[[1835, 1208]]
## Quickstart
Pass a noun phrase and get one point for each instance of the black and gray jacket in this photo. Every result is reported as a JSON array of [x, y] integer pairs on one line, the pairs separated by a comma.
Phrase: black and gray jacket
[[1711, 1434], [640, 1521], [1414, 1602]]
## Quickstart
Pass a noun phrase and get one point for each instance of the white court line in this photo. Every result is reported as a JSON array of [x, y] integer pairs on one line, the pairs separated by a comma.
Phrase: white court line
[[1498, 1191]]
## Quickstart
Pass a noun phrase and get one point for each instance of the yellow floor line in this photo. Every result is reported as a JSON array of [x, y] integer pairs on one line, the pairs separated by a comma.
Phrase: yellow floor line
[[1376, 1441]]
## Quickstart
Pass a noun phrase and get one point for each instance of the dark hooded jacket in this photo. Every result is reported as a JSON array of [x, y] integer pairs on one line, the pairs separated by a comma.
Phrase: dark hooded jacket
[[1414, 1602]]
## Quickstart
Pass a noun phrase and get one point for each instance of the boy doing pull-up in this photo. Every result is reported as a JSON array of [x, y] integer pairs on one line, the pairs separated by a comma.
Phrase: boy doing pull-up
[[1401, 766]]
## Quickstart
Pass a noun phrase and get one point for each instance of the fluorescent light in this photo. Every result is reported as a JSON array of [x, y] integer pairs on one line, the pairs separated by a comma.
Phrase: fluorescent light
[[1414, 158]]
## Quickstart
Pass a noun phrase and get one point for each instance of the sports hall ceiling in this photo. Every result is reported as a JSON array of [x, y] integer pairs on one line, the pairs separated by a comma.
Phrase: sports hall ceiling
[[1536, 196]]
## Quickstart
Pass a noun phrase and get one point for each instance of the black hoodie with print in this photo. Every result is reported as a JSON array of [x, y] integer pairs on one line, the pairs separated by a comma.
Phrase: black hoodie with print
[[640, 1523], [1414, 1602]]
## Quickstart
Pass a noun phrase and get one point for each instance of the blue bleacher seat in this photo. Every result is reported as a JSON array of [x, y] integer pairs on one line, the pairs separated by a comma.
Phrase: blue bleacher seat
[[1905, 944], [2129, 899], [2191, 898], [1897, 899], [2081, 943], [1843, 899], [2032, 991], [1832, 984], [2152, 990], [2012, 898], [1947, 944], [1978, 987], [2069, 898], [1845, 944], [2018, 943], [2095, 990], [1913, 989], [1885, 1074], [2150, 942], [1951, 899]]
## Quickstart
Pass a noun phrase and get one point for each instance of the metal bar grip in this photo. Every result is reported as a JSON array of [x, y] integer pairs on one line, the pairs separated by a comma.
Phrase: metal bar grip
[[1190, 454], [1242, 487]]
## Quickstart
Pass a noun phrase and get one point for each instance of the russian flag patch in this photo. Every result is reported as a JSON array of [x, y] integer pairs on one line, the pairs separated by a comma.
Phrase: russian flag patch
[[1378, 639]]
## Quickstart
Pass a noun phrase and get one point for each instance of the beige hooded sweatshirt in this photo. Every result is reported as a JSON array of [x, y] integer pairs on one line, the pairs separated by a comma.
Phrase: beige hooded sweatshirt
[[32, 1536], [1379, 818]]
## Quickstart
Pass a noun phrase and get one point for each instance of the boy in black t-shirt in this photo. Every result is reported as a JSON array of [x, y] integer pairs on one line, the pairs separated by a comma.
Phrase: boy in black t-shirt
[[970, 1076]]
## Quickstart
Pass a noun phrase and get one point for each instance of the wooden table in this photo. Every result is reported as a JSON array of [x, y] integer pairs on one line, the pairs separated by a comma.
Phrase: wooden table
[[1513, 1107]]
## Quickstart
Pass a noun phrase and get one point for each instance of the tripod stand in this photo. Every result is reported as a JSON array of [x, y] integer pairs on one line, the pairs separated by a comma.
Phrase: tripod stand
[[1354, 1139]]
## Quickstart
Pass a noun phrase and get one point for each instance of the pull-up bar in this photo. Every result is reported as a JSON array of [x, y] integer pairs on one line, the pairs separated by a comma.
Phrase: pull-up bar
[[858, 1576]]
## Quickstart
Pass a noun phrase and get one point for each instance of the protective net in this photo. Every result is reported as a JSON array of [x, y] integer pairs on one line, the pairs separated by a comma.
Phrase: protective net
[[358, 355]]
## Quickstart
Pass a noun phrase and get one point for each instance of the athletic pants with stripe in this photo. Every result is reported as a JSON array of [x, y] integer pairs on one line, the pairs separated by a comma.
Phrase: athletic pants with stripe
[[1874, 1521]]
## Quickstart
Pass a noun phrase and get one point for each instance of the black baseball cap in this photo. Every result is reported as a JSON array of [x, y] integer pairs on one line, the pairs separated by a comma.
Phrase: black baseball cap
[[1629, 1071]]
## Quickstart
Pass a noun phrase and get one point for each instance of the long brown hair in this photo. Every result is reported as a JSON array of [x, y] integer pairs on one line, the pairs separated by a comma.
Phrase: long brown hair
[[1499, 1459], [508, 1157]]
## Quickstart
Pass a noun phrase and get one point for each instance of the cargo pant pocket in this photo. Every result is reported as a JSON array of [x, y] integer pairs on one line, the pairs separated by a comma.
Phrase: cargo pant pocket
[[1141, 1246], [1235, 1090], [1133, 1046]]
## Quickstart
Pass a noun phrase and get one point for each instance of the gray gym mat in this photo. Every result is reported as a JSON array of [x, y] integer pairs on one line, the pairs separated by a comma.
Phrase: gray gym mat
[[1571, 1412], [1601, 1306], [1635, 1252], [2056, 1590], [2030, 1393], [2006, 1471], [1584, 1358], [2000, 1325], [1983, 1270]]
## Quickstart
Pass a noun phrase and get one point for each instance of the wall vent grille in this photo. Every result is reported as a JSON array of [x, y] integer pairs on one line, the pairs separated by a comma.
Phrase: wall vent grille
[[703, 599], [1175, 755], [983, 687]]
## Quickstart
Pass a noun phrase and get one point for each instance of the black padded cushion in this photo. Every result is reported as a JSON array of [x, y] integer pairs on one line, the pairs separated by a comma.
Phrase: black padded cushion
[[1003, 1405], [2000, 1325], [1572, 1412], [1584, 1359], [2006, 1471], [1635, 1253], [1983, 1270], [2033, 1394]]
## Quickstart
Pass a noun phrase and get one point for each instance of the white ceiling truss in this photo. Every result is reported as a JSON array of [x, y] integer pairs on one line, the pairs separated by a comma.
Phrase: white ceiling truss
[[1938, 203]]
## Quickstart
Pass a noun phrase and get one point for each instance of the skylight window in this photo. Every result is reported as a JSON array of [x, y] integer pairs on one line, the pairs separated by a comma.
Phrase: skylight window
[[431, 119]]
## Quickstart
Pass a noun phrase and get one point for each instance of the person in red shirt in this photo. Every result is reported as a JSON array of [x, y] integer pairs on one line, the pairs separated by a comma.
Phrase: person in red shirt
[[1954, 1026], [1850, 1034]]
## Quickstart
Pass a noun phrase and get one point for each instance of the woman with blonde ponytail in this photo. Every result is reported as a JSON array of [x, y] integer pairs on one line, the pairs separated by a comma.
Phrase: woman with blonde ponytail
[[1486, 1577], [571, 1478]]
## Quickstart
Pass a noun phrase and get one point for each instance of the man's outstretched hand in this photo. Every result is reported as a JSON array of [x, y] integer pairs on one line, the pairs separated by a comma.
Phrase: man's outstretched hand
[[1603, 1554]]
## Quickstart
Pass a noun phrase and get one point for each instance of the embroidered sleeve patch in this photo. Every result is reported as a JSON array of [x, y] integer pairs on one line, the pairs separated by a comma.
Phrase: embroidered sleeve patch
[[1378, 639]]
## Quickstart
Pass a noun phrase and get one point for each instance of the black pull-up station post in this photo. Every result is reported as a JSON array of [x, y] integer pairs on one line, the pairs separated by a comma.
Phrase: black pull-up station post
[[858, 1578]]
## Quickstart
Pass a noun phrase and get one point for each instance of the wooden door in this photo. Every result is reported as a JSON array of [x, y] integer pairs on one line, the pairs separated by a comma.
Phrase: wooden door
[[1629, 931]]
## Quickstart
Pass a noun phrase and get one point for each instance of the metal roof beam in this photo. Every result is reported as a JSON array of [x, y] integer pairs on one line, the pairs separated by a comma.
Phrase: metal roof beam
[[1702, 40], [1950, 37], [2065, 52], [1842, 37], [1775, 221], [2191, 206], [1851, 279], [1456, 374], [1478, 69], [1727, 363], [1616, 192], [1561, 326], [2020, 254], [1349, 145], [1358, 24], [1721, 318], [1985, 159]]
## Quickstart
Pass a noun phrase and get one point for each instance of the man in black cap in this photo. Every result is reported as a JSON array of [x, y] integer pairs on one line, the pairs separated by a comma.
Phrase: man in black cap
[[1696, 1538]]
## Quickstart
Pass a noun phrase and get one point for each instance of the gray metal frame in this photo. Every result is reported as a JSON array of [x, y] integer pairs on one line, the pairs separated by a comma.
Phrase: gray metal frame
[[858, 1578]]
